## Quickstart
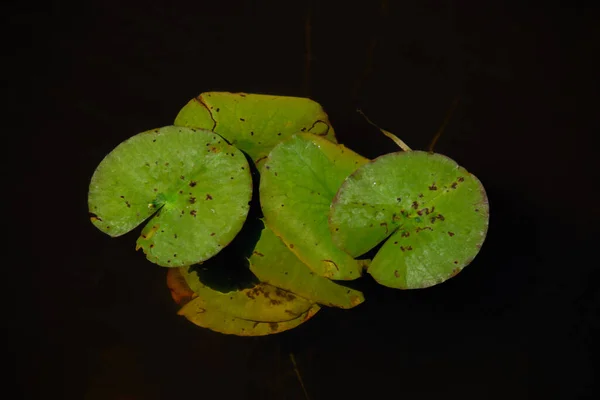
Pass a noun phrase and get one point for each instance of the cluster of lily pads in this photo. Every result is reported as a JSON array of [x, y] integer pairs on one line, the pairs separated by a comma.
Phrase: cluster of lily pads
[[282, 253]]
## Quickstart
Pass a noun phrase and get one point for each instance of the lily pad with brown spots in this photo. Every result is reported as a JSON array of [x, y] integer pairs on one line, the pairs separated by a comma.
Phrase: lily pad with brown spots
[[204, 314], [431, 214], [262, 302], [255, 123], [190, 185]]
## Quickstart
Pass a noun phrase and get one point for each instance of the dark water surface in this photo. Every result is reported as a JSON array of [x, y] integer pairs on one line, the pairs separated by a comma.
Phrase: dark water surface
[[515, 324]]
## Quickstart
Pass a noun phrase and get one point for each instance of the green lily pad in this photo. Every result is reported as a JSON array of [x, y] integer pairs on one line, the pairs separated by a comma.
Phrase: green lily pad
[[205, 315], [433, 213], [298, 182], [262, 302], [272, 262], [255, 123], [194, 185]]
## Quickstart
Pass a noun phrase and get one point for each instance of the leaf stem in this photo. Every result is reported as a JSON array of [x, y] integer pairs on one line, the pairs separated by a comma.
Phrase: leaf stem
[[390, 135], [446, 120]]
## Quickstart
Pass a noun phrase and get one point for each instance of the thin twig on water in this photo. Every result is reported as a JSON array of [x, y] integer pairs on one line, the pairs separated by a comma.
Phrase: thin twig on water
[[449, 114], [299, 376]]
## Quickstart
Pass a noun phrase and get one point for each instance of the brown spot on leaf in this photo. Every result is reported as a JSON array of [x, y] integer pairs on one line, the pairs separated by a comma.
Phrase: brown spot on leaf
[[212, 234], [454, 184], [441, 217], [94, 217], [405, 234], [192, 183], [193, 213], [433, 187], [192, 200], [330, 262], [396, 274], [455, 271], [451, 234], [274, 326], [208, 196], [291, 245], [386, 226], [415, 205], [419, 229], [258, 253], [242, 119], [182, 177], [275, 302], [461, 179]]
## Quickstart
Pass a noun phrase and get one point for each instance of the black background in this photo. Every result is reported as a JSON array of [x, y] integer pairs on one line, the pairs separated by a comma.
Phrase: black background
[[95, 320]]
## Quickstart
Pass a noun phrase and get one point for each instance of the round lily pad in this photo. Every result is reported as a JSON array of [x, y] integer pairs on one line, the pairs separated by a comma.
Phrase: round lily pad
[[262, 302], [203, 314], [272, 262], [298, 182], [255, 123], [194, 186], [432, 214]]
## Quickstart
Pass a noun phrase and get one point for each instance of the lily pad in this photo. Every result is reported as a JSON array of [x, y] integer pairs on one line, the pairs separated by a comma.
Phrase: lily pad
[[263, 302], [194, 185], [433, 213], [272, 262], [255, 123], [298, 182], [203, 314]]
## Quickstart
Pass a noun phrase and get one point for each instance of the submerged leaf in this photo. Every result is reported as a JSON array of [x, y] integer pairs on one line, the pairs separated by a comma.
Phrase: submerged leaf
[[194, 185], [434, 212], [180, 290], [272, 262], [255, 123], [298, 183], [262, 302]]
